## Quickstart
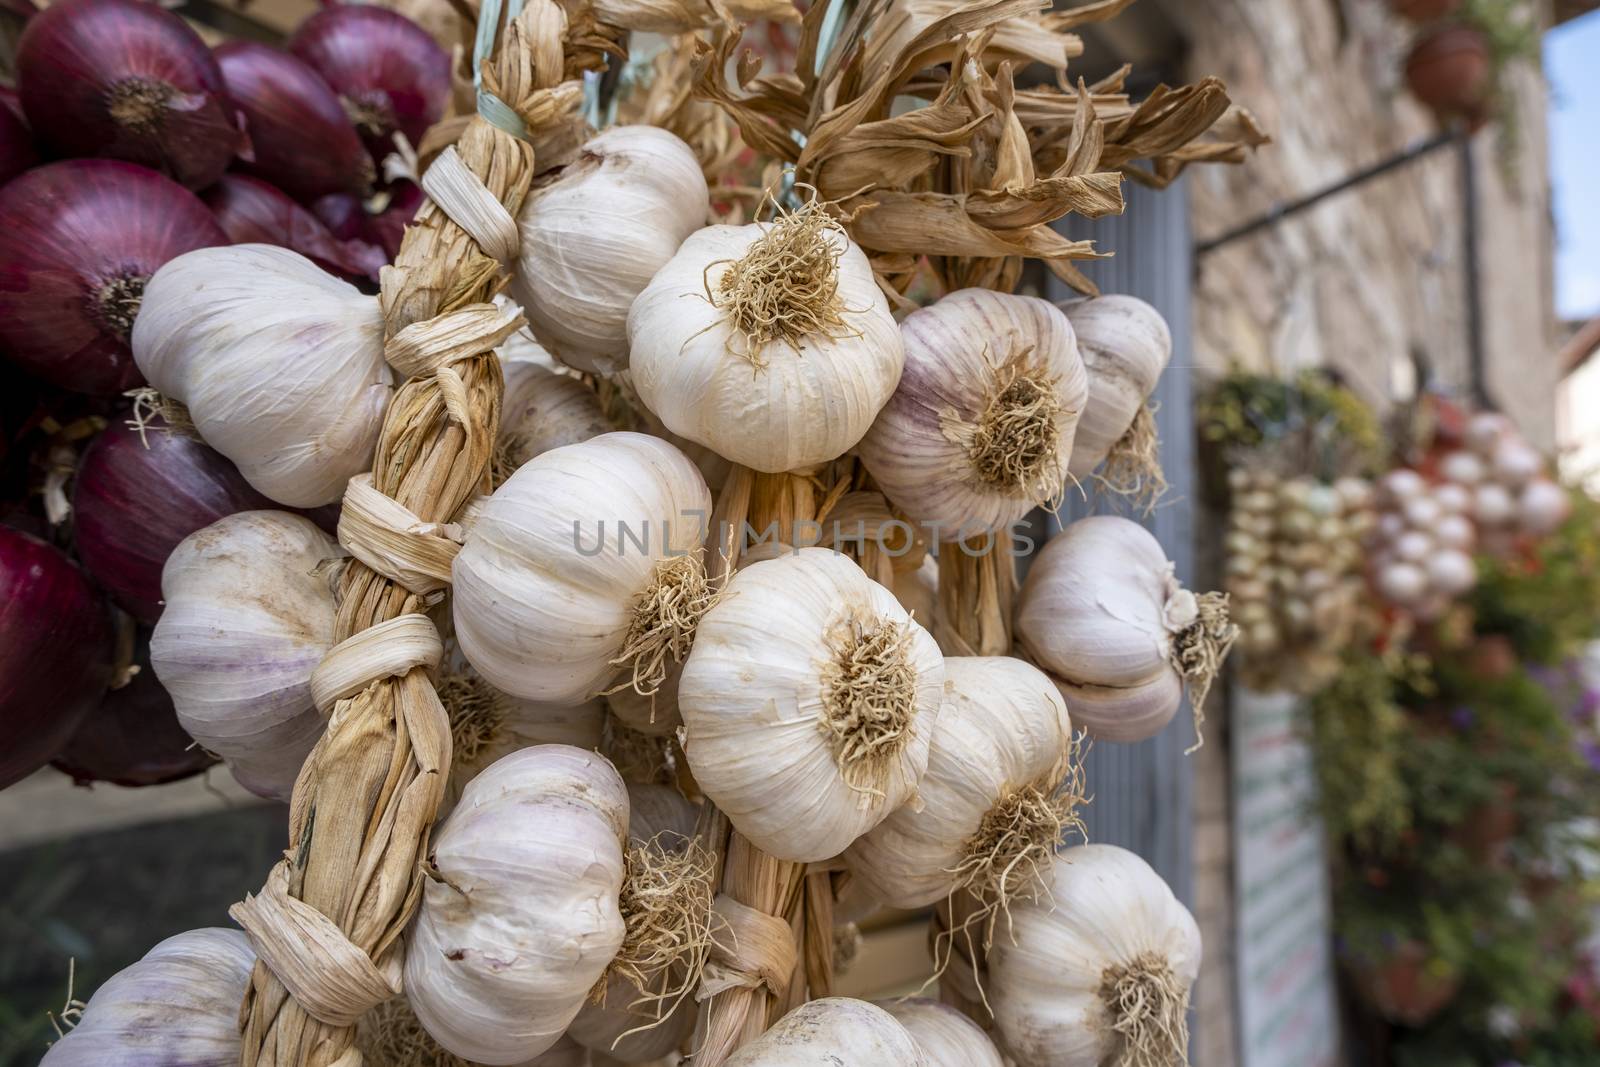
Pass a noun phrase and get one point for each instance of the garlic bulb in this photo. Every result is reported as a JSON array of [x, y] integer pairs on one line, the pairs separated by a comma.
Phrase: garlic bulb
[[593, 238], [1100, 971], [279, 363], [655, 714], [998, 796], [1451, 572], [248, 617], [770, 344], [1125, 345], [1543, 506], [979, 430], [519, 914], [1492, 505], [1103, 613], [946, 1037], [626, 1025], [390, 1035], [808, 702], [176, 1007], [836, 1031], [1461, 468], [1404, 583], [586, 561], [486, 725], [542, 410]]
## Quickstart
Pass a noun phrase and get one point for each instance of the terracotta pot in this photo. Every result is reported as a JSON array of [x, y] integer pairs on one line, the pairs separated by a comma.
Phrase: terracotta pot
[[1448, 70], [1420, 11], [1402, 989], [1493, 657]]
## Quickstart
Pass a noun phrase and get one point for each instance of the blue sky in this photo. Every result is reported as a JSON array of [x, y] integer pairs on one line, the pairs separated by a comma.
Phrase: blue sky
[[1572, 63]]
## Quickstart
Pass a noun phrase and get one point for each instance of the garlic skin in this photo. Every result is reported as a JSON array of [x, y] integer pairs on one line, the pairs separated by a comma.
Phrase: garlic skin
[[543, 410], [780, 405], [1125, 344], [766, 698], [542, 608], [521, 920], [279, 363], [1102, 612], [837, 1031], [1542, 507], [662, 814], [247, 620], [653, 716], [594, 237], [1108, 916], [178, 1006], [980, 428], [946, 1037], [1003, 728]]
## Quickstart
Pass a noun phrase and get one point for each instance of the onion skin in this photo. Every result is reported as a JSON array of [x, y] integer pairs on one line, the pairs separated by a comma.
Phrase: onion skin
[[78, 241], [133, 738], [388, 226], [17, 152], [251, 211], [342, 214], [129, 80], [300, 136], [55, 652], [133, 504], [389, 74]]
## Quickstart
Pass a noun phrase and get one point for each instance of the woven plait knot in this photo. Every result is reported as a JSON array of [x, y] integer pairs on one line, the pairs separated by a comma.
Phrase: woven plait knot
[[333, 980], [461, 194], [749, 949], [388, 650], [388, 537]]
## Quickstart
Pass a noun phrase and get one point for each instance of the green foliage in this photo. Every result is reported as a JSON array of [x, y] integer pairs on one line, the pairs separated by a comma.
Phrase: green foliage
[[1462, 797], [1546, 601], [1311, 422]]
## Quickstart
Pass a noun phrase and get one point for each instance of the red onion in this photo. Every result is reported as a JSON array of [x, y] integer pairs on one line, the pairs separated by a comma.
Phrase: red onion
[[136, 499], [17, 153], [78, 241], [342, 214], [129, 80], [133, 737], [55, 652], [388, 226], [251, 211], [300, 136], [389, 73]]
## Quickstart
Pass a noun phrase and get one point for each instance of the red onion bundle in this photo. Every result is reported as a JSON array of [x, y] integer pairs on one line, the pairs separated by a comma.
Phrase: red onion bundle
[[389, 73], [137, 496], [129, 80], [17, 153], [78, 241], [388, 226], [343, 215], [133, 737], [250, 211], [55, 652], [301, 139]]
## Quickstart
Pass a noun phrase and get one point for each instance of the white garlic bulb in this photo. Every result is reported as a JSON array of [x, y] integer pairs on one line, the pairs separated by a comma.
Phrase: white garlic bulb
[[1515, 462], [1455, 531], [1484, 431], [1103, 613], [997, 797], [585, 552], [1452, 499], [946, 1037], [542, 410], [625, 1025], [809, 702], [487, 725], [595, 235], [248, 617], [1492, 505], [979, 430], [1125, 345], [279, 363], [178, 1006], [1451, 572], [1401, 484], [1403, 583], [837, 1031], [770, 344], [519, 916], [1542, 507], [1099, 972], [1461, 468]]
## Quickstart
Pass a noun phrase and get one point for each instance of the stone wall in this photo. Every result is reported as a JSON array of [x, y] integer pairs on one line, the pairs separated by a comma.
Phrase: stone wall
[[1370, 282]]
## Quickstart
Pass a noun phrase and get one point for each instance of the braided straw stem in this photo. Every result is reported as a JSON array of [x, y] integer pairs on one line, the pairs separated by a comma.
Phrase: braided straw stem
[[367, 796]]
